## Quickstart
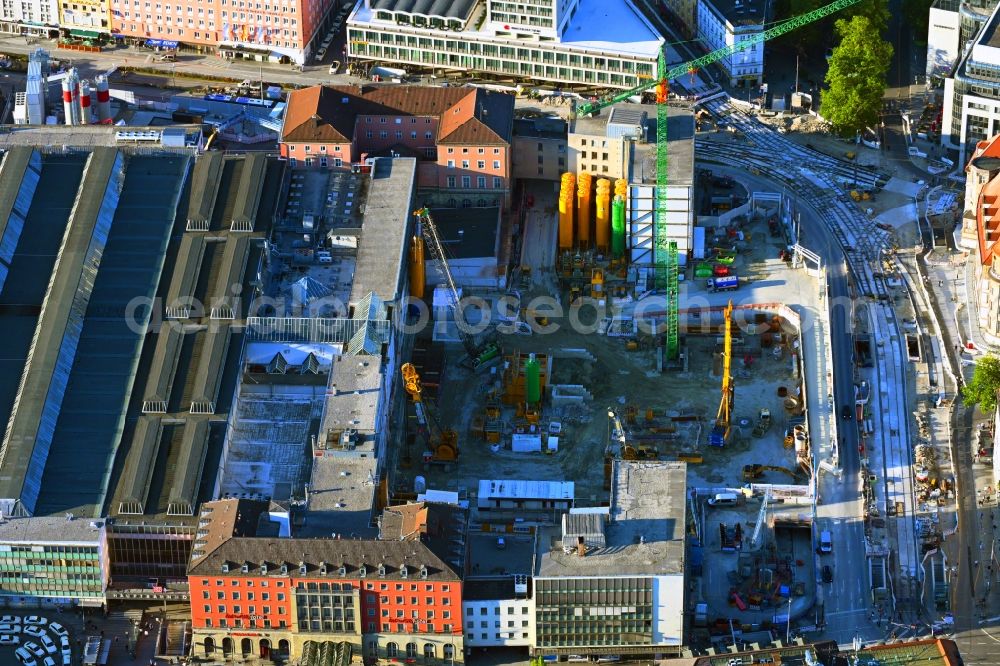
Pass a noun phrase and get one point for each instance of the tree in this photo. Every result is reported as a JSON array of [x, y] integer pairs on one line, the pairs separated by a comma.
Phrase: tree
[[809, 35], [856, 77], [877, 12], [982, 388], [916, 14]]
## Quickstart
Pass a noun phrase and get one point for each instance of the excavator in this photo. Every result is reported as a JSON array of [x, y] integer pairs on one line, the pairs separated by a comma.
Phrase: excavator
[[442, 445], [755, 471]]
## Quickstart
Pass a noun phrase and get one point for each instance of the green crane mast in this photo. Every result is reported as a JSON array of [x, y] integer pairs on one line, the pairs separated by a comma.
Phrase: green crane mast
[[665, 261]]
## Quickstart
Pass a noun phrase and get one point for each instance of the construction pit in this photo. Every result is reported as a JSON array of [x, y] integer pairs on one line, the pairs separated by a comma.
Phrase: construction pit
[[590, 380]]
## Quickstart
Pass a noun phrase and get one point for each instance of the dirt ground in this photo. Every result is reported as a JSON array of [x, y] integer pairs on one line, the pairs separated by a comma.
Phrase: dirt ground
[[619, 378]]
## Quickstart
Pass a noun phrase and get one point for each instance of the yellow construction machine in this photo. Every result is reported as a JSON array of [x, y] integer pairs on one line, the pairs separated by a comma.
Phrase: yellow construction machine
[[442, 445]]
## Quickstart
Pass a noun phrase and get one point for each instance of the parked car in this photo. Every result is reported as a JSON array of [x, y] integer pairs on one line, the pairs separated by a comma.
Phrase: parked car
[[49, 646], [34, 630], [25, 657], [35, 619], [35, 649], [58, 629], [9, 639], [827, 574], [10, 619], [67, 656], [10, 628], [48, 661]]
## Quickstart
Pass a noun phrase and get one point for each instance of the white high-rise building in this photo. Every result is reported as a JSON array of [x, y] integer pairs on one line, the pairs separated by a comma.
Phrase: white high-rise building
[[971, 109], [951, 26]]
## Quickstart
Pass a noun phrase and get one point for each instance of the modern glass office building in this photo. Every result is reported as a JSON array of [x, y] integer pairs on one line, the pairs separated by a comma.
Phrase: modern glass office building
[[580, 43], [56, 559]]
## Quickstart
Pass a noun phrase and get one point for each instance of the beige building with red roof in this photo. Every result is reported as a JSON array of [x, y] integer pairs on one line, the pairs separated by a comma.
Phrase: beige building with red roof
[[461, 137], [981, 232]]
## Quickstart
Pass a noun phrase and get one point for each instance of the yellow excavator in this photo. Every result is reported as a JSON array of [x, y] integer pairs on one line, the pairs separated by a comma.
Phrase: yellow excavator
[[755, 471], [442, 445]]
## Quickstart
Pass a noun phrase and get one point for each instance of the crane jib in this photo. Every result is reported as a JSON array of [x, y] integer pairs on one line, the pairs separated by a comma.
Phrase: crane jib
[[720, 54]]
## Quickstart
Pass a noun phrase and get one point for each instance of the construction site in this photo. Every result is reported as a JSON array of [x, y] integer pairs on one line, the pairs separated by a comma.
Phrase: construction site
[[558, 392]]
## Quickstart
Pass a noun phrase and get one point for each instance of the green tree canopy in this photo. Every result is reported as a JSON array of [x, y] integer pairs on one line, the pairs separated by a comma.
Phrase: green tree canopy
[[856, 78], [982, 388], [877, 12]]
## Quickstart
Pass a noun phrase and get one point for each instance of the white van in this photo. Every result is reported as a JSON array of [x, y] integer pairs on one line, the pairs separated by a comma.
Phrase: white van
[[825, 542], [724, 499]]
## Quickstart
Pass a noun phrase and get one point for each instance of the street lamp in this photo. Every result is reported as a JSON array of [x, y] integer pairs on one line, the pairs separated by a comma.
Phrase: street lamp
[[788, 621]]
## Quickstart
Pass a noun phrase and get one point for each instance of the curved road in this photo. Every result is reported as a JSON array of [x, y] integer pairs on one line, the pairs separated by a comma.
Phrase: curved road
[[820, 182]]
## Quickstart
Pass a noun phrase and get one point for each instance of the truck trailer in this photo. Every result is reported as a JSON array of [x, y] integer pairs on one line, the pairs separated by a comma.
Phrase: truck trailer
[[724, 283]]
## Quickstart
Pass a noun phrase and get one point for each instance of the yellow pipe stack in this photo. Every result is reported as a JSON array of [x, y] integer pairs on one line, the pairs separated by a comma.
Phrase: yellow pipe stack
[[417, 278], [603, 222], [566, 202], [584, 183]]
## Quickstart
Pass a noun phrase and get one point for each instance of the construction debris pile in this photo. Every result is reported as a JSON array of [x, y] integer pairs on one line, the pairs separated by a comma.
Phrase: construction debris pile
[[931, 488], [761, 580]]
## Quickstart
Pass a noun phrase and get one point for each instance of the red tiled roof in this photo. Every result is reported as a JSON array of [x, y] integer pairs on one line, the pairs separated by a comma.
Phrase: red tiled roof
[[988, 220], [326, 114]]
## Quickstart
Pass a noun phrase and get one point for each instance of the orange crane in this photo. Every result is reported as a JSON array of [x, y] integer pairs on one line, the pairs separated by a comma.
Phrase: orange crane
[[442, 445]]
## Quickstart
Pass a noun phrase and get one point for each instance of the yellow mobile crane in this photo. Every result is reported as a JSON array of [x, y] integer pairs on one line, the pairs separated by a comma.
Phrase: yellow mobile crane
[[442, 444], [720, 433]]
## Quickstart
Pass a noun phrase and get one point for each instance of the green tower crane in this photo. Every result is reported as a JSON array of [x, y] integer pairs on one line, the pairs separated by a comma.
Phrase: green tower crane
[[665, 261]]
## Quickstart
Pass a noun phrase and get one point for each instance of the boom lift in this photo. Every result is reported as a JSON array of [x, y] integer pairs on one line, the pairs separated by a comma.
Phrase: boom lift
[[720, 433], [618, 447], [665, 261], [481, 350], [442, 444]]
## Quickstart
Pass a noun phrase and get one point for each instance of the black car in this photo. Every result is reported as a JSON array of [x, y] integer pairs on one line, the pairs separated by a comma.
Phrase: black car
[[846, 413], [827, 574]]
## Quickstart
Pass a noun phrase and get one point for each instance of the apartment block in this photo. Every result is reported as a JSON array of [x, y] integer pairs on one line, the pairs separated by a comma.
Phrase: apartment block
[[723, 23], [273, 29]]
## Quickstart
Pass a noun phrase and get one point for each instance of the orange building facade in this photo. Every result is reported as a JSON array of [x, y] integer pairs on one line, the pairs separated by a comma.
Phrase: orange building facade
[[461, 136], [267, 30], [266, 596]]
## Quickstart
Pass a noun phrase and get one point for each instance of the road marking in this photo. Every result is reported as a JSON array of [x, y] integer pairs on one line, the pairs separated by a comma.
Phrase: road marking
[[853, 611], [991, 637]]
